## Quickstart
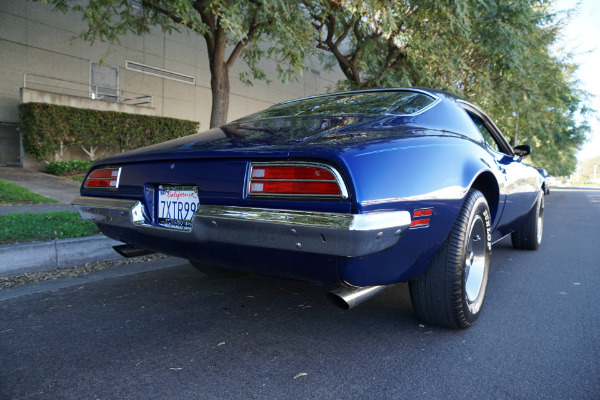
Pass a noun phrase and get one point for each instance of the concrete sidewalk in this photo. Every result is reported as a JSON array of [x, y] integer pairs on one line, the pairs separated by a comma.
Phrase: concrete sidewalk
[[55, 187], [48, 255]]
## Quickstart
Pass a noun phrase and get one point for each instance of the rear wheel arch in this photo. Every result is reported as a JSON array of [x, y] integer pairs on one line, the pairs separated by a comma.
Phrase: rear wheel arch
[[487, 184]]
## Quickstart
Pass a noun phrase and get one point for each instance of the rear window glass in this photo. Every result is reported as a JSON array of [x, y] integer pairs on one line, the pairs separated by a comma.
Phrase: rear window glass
[[364, 103]]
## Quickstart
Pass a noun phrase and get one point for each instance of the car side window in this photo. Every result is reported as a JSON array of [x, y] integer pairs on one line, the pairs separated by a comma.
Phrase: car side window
[[487, 135]]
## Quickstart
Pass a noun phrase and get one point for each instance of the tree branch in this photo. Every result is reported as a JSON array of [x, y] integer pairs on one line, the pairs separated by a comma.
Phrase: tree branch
[[241, 44], [210, 21]]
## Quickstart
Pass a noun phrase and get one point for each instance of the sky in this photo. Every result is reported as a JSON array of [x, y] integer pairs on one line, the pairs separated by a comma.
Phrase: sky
[[582, 36]]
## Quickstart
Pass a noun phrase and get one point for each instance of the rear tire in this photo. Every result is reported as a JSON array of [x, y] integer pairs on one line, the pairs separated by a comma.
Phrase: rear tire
[[452, 290], [529, 235], [215, 272]]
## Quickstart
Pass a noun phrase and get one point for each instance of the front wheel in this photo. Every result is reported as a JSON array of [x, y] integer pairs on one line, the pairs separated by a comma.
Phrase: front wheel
[[452, 290]]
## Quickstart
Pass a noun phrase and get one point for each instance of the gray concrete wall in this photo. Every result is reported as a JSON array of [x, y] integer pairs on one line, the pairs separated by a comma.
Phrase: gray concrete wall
[[35, 39], [10, 145], [27, 95]]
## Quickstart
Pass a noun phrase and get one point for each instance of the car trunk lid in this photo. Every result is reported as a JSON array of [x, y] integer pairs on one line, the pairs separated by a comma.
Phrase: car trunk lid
[[269, 138]]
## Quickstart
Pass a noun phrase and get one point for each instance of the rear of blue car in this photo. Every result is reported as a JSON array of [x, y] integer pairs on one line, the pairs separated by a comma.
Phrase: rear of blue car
[[363, 189]]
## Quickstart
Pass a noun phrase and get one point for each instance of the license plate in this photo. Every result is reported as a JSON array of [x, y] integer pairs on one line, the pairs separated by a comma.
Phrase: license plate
[[176, 206]]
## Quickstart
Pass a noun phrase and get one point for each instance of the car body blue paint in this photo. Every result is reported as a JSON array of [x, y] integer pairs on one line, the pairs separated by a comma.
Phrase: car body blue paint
[[388, 163]]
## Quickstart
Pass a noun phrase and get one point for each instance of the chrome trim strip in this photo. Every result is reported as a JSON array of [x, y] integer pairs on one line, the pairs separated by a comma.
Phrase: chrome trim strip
[[495, 131], [336, 234], [118, 177], [422, 110], [436, 98]]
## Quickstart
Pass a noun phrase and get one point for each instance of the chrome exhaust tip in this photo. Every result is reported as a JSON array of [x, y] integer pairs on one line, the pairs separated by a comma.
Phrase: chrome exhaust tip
[[349, 297]]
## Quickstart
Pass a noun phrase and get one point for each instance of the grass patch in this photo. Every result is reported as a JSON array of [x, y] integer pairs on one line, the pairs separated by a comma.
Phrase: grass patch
[[14, 194], [29, 227]]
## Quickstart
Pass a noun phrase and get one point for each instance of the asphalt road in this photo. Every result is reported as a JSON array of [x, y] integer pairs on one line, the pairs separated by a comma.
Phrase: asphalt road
[[173, 333]]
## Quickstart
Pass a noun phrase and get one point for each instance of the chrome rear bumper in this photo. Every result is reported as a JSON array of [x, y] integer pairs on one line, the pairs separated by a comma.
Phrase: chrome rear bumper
[[348, 235]]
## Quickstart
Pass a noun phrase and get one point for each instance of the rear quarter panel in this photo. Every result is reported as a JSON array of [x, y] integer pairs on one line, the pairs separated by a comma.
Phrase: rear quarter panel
[[419, 169]]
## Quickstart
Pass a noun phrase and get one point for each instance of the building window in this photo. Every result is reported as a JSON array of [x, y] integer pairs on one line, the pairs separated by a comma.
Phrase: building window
[[104, 82]]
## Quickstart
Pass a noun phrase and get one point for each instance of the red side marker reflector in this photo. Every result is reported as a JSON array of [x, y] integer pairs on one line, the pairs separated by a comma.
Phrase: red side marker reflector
[[423, 213], [418, 223]]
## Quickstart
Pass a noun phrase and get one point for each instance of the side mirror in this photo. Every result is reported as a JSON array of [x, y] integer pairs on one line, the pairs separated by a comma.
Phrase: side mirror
[[523, 150]]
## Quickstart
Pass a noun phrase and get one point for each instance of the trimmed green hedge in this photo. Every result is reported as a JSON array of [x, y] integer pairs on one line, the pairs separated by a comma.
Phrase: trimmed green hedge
[[48, 129], [67, 167]]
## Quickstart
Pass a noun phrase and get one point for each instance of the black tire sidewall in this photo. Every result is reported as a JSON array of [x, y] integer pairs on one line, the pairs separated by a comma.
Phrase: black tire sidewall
[[526, 236]]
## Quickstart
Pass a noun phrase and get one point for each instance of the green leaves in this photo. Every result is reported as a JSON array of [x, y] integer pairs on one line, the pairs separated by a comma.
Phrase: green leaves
[[496, 54], [67, 167], [277, 29], [47, 128]]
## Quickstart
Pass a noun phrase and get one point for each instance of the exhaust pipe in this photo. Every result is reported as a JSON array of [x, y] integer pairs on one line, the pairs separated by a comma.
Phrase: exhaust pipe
[[128, 251], [348, 297]]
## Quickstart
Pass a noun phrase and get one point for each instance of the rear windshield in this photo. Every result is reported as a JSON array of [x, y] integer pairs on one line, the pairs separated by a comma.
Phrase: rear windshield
[[352, 103]]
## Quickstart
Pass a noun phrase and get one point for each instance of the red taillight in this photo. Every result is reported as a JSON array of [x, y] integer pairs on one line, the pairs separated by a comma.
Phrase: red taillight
[[294, 180], [300, 187], [289, 173], [106, 178]]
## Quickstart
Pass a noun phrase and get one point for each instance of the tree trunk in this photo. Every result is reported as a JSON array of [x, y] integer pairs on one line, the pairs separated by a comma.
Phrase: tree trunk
[[219, 85]]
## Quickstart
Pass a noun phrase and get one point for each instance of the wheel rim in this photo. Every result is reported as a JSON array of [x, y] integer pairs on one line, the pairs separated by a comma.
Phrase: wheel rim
[[475, 260]]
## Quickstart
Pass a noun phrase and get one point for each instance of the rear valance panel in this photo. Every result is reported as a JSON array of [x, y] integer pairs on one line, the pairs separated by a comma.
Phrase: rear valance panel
[[224, 179]]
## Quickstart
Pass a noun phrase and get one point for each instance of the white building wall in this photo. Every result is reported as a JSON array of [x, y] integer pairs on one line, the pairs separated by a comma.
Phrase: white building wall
[[34, 39]]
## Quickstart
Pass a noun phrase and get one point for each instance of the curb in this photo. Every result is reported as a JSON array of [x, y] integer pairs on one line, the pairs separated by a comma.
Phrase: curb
[[54, 254]]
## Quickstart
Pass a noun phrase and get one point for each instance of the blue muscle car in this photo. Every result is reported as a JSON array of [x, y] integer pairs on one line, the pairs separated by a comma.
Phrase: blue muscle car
[[362, 188]]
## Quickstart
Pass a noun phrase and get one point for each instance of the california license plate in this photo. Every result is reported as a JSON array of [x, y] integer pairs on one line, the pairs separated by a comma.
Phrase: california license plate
[[176, 206]]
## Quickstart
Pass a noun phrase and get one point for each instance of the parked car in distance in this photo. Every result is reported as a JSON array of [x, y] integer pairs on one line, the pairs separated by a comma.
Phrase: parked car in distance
[[363, 189]]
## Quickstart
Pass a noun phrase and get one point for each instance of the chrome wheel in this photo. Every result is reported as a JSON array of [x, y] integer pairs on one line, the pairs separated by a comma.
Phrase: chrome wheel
[[540, 223], [475, 263]]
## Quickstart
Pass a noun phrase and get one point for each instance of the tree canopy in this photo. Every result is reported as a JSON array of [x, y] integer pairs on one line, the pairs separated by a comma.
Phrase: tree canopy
[[497, 54], [494, 53]]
